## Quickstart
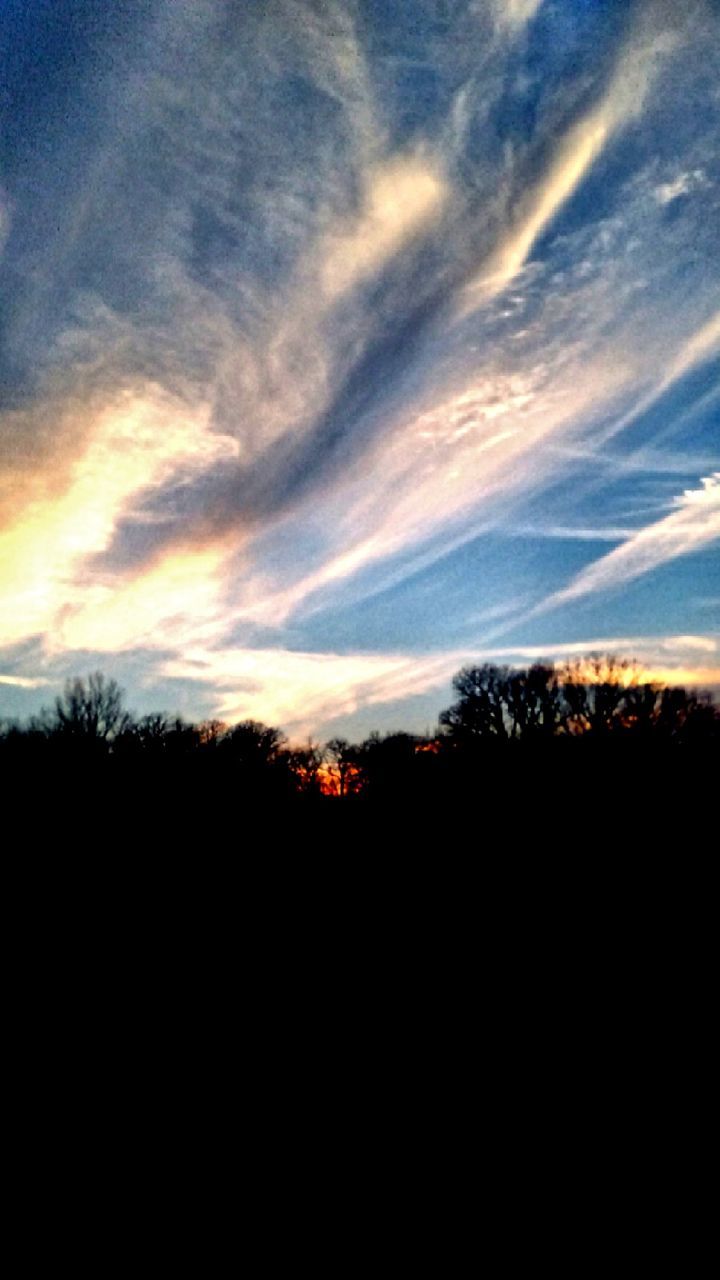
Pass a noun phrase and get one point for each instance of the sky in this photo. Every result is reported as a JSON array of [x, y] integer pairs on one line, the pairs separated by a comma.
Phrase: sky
[[346, 342]]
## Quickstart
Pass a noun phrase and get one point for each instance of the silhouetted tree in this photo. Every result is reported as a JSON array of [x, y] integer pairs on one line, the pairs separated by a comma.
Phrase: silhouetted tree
[[305, 764], [254, 755], [596, 693], [211, 733], [692, 719], [482, 709], [158, 736], [535, 705], [252, 743], [90, 711], [344, 766], [387, 762]]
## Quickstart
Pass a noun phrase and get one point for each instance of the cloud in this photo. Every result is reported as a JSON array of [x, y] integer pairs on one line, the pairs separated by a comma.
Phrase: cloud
[[700, 346], [646, 648], [666, 192], [571, 158], [571, 533], [176, 600], [130, 447], [25, 682], [702, 644], [571, 161], [435, 477], [693, 524], [514, 14], [401, 196], [298, 690]]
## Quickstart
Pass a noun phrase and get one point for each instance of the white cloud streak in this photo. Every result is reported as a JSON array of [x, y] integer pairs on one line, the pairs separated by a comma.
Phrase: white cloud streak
[[572, 157], [684, 183], [513, 15], [301, 690], [401, 197], [692, 525], [24, 682]]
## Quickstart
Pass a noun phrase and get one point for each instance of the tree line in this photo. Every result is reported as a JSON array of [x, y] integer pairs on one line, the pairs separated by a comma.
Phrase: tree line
[[507, 728]]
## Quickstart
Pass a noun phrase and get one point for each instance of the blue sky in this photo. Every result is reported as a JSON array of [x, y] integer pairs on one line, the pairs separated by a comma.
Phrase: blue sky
[[345, 343]]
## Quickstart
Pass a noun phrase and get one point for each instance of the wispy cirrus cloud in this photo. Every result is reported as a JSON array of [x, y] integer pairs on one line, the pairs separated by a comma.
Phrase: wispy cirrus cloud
[[400, 198], [685, 182], [572, 156], [693, 523], [302, 690], [699, 347], [512, 14], [24, 682]]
